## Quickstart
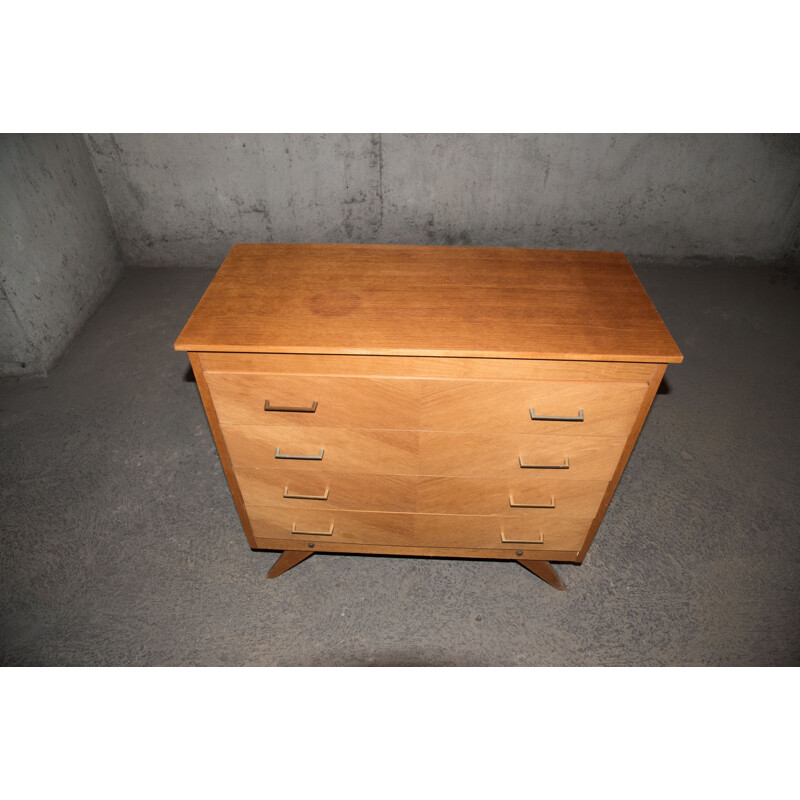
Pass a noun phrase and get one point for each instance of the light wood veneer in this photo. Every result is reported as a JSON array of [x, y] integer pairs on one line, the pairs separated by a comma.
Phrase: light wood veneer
[[465, 402], [427, 494]]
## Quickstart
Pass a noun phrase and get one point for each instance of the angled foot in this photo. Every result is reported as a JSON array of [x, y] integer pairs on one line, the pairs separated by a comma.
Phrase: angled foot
[[288, 559], [545, 571]]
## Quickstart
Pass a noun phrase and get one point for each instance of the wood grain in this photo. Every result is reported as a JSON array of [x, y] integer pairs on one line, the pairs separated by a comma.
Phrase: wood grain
[[545, 571], [224, 457], [287, 560], [341, 402], [477, 454], [430, 367], [573, 499], [609, 409], [647, 401], [429, 301], [423, 530], [508, 554], [421, 494], [424, 363], [374, 451], [353, 492], [389, 452]]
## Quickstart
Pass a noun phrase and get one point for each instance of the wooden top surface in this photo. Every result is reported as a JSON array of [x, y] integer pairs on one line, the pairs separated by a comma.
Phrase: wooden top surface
[[428, 301]]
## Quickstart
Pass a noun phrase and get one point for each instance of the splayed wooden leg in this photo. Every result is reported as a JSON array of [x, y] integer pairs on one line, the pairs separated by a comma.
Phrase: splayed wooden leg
[[545, 571], [288, 559]]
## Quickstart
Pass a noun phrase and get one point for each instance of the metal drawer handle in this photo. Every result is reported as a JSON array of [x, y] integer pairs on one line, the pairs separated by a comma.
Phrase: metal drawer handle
[[302, 409], [579, 418], [317, 457], [517, 540], [565, 465], [312, 533], [531, 505], [305, 496]]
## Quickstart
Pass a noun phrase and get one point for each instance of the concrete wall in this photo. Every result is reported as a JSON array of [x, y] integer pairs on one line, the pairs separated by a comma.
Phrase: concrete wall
[[185, 199], [58, 254]]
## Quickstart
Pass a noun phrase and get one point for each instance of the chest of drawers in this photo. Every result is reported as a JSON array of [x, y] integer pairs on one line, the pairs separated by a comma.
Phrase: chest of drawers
[[425, 401]]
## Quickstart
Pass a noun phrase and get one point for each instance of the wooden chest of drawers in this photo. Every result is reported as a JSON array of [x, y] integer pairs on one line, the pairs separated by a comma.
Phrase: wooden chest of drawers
[[431, 401]]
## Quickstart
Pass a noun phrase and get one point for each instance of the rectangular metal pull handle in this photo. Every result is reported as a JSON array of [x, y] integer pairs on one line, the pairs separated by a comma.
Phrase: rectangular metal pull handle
[[301, 409], [517, 540], [317, 457], [305, 496], [579, 418], [565, 465], [312, 533], [511, 502]]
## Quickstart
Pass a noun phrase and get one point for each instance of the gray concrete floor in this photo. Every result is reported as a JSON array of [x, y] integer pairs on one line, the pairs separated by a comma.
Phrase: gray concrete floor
[[121, 544]]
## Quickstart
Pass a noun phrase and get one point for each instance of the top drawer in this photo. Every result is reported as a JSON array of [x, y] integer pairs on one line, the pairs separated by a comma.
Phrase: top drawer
[[314, 401], [583, 408], [534, 407]]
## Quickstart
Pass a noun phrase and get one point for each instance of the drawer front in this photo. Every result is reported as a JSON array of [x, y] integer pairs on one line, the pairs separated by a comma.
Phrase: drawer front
[[314, 401], [590, 409], [545, 499], [420, 530], [322, 449], [325, 490], [567, 457]]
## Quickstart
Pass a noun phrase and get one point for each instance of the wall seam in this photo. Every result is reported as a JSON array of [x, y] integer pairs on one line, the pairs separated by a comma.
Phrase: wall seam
[[34, 349], [86, 138]]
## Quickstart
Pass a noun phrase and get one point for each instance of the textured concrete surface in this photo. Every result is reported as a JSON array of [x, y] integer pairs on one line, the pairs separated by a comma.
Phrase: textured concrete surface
[[120, 544], [184, 199], [58, 253], [73, 209]]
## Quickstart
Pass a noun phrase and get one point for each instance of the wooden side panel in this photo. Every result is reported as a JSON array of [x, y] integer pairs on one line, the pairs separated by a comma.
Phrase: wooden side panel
[[631, 441], [224, 457]]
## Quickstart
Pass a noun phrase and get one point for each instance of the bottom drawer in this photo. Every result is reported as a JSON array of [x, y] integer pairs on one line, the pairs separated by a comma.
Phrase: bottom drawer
[[420, 530]]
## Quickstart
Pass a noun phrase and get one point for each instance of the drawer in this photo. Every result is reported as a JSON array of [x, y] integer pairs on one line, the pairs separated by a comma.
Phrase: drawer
[[306, 401], [328, 402], [471, 454], [324, 491], [322, 449], [544, 500], [594, 409], [270, 487], [420, 530]]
